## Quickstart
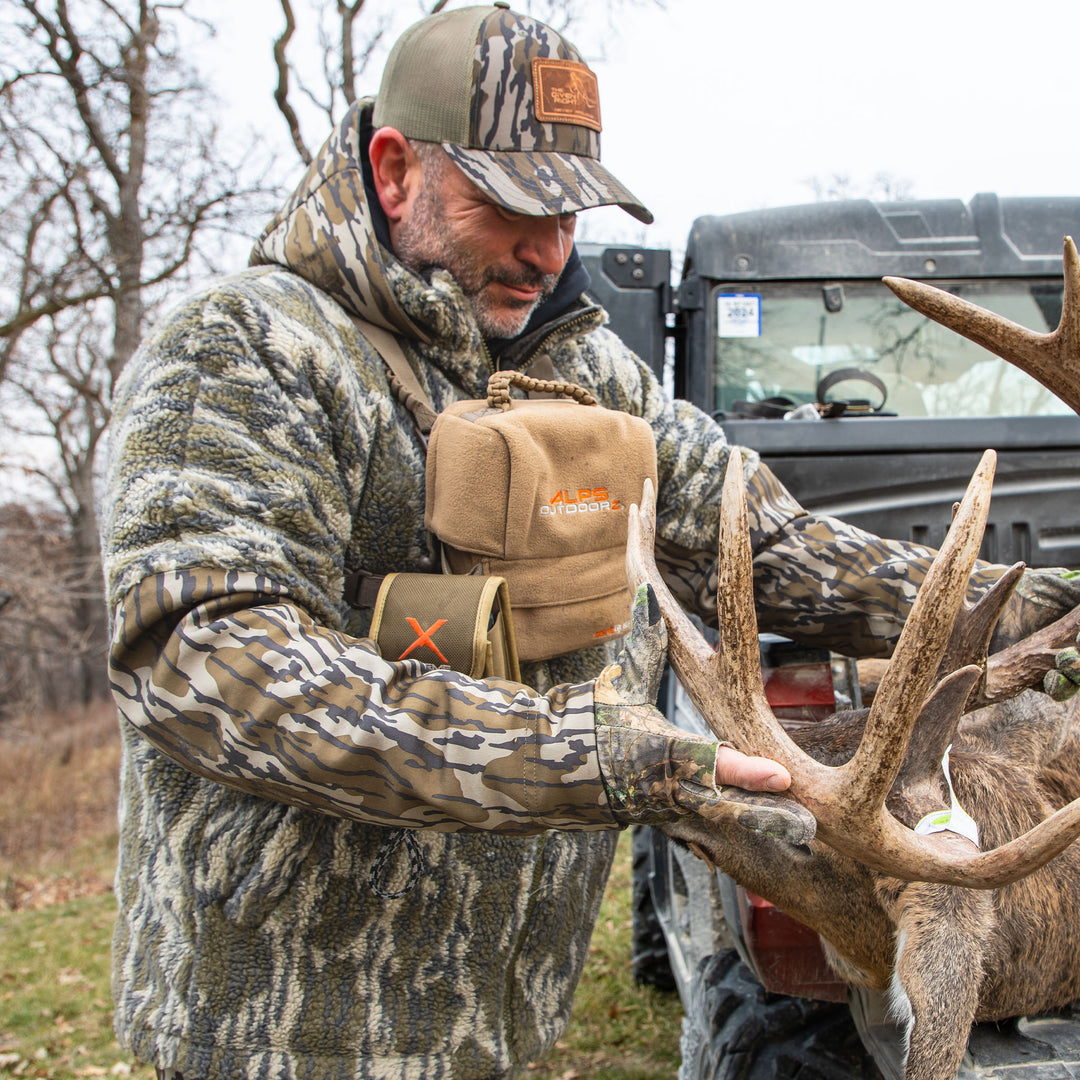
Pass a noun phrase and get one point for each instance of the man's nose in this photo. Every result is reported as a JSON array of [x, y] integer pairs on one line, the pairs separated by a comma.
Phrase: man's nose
[[545, 244]]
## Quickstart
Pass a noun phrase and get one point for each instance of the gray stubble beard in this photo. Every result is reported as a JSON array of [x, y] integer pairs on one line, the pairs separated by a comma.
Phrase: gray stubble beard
[[426, 242]]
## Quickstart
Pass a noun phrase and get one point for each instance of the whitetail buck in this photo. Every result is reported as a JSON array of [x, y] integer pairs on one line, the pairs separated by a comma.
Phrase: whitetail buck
[[953, 934]]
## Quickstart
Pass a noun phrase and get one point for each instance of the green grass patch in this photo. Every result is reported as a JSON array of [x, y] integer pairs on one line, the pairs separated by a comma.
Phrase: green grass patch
[[56, 1013]]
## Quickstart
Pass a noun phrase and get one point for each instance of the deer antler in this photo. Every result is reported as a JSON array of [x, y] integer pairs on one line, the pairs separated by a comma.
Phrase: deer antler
[[848, 801], [1013, 669], [1053, 359], [1024, 664]]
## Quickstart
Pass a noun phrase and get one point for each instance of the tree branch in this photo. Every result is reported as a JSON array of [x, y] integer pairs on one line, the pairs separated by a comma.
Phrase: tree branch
[[281, 91]]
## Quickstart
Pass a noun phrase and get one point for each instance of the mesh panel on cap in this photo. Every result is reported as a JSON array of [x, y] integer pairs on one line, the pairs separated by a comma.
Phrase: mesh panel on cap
[[427, 84]]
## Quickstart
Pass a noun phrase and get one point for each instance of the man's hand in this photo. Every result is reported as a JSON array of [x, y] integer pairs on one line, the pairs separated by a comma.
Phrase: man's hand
[[655, 772], [1041, 596], [753, 773]]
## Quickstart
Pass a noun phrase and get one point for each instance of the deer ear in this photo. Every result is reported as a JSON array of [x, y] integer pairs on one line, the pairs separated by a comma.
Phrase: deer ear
[[920, 774], [938, 971]]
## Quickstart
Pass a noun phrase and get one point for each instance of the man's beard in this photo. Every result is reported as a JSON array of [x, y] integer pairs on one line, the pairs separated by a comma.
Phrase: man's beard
[[427, 241]]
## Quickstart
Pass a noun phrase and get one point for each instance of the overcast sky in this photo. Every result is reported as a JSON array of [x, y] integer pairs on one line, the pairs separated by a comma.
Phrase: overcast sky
[[712, 106]]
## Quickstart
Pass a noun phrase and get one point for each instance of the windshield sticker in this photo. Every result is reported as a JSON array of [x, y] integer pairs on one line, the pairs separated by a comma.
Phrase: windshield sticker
[[738, 315]]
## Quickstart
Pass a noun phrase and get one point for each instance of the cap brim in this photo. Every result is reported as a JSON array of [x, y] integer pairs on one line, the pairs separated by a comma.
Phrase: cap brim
[[539, 184]]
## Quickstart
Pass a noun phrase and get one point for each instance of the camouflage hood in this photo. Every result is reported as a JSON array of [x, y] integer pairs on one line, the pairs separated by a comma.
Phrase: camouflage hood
[[326, 231]]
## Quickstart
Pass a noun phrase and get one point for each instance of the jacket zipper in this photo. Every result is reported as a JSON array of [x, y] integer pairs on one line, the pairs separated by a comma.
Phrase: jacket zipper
[[560, 332]]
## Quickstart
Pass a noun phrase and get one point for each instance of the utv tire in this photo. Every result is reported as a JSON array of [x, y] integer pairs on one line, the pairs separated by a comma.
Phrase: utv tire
[[649, 955], [736, 1030]]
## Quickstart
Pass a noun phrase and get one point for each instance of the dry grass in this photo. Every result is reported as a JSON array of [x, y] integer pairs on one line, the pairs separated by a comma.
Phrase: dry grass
[[58, 793]]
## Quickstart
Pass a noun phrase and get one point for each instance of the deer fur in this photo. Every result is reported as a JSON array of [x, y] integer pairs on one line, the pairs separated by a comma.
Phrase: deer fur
[[946, 956], [950, 934]]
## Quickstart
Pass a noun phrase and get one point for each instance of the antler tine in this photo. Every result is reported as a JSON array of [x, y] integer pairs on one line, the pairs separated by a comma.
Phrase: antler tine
[[687, 649], [1053, 359], [917, 657], [974, 625], [738, 688], [725, 685]]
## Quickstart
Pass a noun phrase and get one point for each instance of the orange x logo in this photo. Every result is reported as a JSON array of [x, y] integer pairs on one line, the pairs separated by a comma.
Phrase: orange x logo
[[423, 637]]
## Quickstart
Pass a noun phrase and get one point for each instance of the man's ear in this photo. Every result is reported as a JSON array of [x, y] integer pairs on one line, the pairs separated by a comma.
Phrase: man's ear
[[397, 173]]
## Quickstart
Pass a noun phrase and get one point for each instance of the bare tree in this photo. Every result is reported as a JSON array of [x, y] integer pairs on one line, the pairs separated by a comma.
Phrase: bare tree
[[112, 184], [882, 187], [42, 651], [334, 31]]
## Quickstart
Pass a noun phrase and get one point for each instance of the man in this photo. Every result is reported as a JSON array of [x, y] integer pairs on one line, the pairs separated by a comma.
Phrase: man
[[335, 863]]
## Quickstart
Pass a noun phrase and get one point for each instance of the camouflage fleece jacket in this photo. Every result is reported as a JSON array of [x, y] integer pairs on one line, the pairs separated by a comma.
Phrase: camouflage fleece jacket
[[333, 865]]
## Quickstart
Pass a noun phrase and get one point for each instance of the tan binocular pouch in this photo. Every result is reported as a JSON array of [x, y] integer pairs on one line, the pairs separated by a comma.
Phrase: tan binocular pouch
[[537, 492]]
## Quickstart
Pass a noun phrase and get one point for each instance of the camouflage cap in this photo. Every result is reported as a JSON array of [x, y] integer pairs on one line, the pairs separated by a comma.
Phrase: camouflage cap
[[513, 104]]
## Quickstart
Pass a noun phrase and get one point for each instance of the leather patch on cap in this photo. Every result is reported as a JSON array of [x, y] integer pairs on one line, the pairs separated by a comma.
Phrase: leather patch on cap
[[565, 92]]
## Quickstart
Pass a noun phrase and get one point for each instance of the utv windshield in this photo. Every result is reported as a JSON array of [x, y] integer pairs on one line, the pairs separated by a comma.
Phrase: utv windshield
[[780, 341]]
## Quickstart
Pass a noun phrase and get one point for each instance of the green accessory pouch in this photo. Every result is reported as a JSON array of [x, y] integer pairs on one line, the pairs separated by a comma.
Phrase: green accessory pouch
[[459, 622]]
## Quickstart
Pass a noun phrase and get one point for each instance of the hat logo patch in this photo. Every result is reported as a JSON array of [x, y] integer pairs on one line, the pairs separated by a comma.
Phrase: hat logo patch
[[565, 92]]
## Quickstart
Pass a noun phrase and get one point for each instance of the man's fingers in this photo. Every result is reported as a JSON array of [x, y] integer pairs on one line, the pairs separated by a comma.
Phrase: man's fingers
[[736, 769]]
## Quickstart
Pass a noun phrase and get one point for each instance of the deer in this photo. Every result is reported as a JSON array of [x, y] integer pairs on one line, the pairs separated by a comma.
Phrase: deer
[[951, 931]]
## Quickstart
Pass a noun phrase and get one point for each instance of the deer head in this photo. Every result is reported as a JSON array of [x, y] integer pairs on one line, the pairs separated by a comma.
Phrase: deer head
[[848, 800]]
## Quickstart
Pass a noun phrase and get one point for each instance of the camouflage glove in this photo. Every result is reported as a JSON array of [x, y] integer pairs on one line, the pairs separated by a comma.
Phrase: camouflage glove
[[1064, 679], [1040, 598], [655, 772]]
